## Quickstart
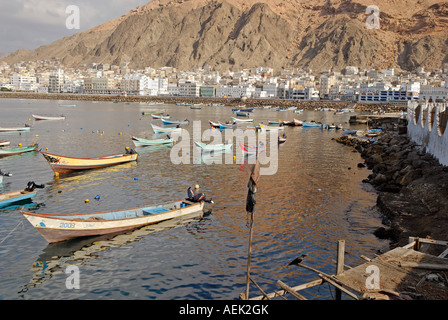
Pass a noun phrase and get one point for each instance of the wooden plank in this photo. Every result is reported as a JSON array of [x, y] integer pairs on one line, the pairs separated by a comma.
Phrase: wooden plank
[[426, 266], [432, 241], [290, 290], [443, 254], [339, 287], [340, 264], [296, 288]]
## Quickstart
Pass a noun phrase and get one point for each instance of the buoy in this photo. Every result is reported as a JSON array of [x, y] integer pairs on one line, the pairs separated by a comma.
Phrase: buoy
[[86, 201], [135, 178], [36, 135], [97, 197], [29, 119], [101, 134], [234, 158], [56, 174], [20, 144], [46, 149]]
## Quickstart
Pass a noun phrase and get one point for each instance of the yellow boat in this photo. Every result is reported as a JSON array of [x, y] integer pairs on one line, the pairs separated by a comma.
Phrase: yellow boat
[[63, 164]]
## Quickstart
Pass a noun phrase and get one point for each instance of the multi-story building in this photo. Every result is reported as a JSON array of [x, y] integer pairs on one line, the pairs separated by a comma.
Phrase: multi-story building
[[189, 89], [20, 82], [55, 81], [100, 86]]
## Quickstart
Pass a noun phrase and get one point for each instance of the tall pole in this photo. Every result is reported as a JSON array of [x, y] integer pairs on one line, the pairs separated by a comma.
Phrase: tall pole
[[249, 254]]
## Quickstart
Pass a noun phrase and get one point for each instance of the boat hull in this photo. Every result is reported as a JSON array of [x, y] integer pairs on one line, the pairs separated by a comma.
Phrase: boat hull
[[62, 164], [36, 117], [158, 129], [14, 151], [138, 142], [15, 129], [56, 228], [215, 147], [7, 199]]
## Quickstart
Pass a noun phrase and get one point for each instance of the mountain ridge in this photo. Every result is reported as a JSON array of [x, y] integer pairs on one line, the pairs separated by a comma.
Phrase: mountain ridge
[[236, 34]]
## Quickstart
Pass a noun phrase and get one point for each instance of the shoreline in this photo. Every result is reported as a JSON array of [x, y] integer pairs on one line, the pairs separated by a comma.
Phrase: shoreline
[[307, 105], [411, 185]]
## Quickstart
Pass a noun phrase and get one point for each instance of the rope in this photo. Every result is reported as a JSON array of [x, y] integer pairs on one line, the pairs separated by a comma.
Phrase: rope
[[20, 222]]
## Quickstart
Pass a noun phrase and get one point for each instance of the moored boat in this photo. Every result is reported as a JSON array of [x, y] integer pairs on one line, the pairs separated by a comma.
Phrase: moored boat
[[64, 164], [18, 150], [8, 198], [37, 117], [166, 121], [158, 129], [213, 124], [311, 124], [68, 105], [236, 120], [4, 143], [270, 128], [297, 122], [61, 227], [159, 116], [214, 147], [25, 128], [249, 150], [139, 142]]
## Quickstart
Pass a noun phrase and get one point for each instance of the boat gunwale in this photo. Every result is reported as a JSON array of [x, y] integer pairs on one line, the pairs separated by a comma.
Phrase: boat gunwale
[[57, 216]]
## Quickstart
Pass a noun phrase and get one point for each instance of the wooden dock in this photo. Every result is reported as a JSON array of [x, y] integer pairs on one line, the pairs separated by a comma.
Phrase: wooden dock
[[404, 273]]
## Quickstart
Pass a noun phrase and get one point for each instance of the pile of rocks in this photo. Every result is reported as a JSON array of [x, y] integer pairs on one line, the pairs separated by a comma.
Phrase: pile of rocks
[[412, 185]]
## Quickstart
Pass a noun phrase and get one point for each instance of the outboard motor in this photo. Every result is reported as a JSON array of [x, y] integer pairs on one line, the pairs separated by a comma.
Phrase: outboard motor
[[31, 186], [197, 197]]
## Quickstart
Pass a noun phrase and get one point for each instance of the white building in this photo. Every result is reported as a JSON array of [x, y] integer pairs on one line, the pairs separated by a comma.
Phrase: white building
[[189, 89], [55, 81], [134, 84], [20, 82]]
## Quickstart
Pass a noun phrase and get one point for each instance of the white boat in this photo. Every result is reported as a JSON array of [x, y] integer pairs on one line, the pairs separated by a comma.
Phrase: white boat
[[158, 129], [14, 129], [4, 143], [270, 128], [213, 147], [236, 120], [37, 117], [139, 142]]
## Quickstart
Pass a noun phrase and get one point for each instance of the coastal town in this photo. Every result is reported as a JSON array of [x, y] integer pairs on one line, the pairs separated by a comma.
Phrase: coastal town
[[385, 86]]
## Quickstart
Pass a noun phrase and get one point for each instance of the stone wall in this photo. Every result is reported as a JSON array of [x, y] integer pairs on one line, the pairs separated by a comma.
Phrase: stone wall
[[426, 127]]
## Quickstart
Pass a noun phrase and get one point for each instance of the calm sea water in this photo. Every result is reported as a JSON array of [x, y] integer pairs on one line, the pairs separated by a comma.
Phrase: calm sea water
[[315, 199]]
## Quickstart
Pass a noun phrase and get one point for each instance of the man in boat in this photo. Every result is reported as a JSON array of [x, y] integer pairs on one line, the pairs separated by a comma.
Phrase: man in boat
[[129, 151], [197, 197]]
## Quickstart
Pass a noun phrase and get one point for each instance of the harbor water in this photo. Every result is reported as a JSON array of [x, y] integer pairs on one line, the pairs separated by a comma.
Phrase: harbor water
[[315, 198]]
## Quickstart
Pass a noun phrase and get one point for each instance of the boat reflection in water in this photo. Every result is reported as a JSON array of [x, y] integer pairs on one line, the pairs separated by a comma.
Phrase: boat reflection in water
[[56, 257]]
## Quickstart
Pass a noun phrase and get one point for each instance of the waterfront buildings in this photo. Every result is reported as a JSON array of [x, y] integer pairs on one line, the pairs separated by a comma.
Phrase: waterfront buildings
[[350, 84]]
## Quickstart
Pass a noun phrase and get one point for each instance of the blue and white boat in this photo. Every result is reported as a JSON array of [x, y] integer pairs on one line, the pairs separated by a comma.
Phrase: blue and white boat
[[167, 121], [9, 198]]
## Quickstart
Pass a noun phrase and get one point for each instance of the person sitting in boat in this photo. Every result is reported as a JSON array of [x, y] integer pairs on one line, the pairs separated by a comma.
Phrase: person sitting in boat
[[197, 197]]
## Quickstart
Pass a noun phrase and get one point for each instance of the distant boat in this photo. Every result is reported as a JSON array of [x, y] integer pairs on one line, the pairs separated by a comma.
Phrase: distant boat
[[297, 122], [4, 143], [64, 164], [247, 110], [213, 147], [158, 129], [248, 150], [350, 131], [195, 107], [139, 142], [37, 117], [270, 128], [223, 126], [61, 227], [158, 116], [68, 105], [242, 114], [166, 121], [236, 120], [8, 198], [14, 151], [15, 129], [213, 124], [281, 140], [311, 124]]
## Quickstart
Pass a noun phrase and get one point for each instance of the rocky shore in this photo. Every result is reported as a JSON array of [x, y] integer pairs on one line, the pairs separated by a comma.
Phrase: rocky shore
[[412, 187], [250, 103]]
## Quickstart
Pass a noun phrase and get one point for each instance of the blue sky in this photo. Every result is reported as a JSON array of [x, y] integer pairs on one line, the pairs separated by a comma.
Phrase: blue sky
[[29, 24]]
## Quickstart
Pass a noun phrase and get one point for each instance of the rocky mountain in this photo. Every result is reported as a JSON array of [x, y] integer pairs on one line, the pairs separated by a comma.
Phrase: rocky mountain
[[235, 34]]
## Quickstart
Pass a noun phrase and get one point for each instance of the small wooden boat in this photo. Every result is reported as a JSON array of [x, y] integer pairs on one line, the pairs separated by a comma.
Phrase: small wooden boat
[[4, 143], [236, 120], [213, 124], [8, 198], [270, 128], [166, 121], [223, 126], [159, 116], [242, 114], [311, 125], [281, 140], [213, 147], [3, 129], [274, 122], [61, 227], [63, 164], [247, 110], [349, 131], [248, 150], [69, 105], [195, 107], [18, 150], [37, 117], [158, 129], [139, 142]]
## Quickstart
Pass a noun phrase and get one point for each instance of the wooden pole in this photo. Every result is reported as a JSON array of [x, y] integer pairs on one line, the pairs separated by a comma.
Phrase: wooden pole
[[249, 254], [340, 264]]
